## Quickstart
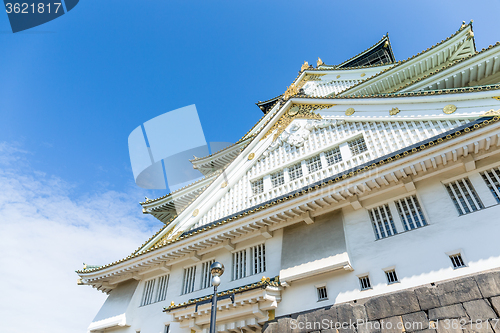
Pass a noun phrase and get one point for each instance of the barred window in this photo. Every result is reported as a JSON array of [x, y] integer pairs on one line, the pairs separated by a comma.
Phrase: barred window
[[457, 260], [147, 295], [206, 276], [364, 282], [410, 213], [278, 178], [357, 146], [188, 281], [258, 255], [295, 171], [382, 221], [333, 156], [239, 264], [322, 295], [391, 276], [258, 186], [464, 196], [314, 164], [161, 293], [492, 179]]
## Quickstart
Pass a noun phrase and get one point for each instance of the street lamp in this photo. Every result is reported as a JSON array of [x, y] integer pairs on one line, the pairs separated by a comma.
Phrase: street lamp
[[216, 269]]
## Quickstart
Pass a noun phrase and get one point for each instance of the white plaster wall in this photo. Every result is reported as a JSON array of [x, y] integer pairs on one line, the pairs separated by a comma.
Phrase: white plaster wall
[[419, 255], [151, 318]]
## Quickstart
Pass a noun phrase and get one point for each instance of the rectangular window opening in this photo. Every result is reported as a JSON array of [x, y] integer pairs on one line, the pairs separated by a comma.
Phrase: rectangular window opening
[[382, 221], [364, 281], [322, 294], [206, 277], [410, 212], [295, 171], [464, 196], [357, 146], [258, 186], [278, 178], [492, 180], [391, 276], [333, 156], [239, 264], [314, 164], [457, 261], [188, 281], [147, 295]]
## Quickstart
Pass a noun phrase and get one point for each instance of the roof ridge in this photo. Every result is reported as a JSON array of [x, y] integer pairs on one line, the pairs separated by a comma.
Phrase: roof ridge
[[400, 62], [385, 37]]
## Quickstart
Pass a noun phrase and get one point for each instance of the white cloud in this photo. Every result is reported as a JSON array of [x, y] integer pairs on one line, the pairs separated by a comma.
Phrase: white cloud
[[46, 234]]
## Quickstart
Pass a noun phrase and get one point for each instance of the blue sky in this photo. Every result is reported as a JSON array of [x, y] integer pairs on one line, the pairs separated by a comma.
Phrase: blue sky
[[72, 90]]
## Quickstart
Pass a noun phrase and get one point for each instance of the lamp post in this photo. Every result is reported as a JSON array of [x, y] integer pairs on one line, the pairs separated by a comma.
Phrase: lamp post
[[216, 269]]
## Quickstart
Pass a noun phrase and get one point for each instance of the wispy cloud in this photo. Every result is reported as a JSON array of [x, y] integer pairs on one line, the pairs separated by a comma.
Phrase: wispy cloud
[[45, 234]]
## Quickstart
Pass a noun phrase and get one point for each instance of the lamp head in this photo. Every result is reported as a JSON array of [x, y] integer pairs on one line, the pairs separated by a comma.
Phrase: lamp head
[[216, 269]]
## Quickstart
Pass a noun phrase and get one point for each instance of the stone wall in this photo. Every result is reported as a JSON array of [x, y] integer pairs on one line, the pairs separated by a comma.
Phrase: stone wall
[[465, 305]]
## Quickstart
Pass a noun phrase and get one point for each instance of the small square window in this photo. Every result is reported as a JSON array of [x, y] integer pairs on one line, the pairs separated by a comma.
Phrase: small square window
[[357, 146], [295, 171], [364, 281], [314, 164], [391, 276], [258, 186], [322, 295], [277, 179], [457, 261]]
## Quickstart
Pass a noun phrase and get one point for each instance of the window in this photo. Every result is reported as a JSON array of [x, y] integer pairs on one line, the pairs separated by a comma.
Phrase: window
[[258, 186], [147, 295], [188, 281], [322, 295], [391, 276], [382, 221], [206, 276], [464, 196], [161, 293], [258, 254], [410, 213], [333, 156], [314, 164], [364, 281], [357, 146], [278, 178], [492, 179], [239, 264], [295, 171], [457, 261]]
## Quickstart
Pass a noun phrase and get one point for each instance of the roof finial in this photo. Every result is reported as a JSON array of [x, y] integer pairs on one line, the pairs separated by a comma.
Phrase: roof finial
[[463, 25], [304, 66], [319, 62]]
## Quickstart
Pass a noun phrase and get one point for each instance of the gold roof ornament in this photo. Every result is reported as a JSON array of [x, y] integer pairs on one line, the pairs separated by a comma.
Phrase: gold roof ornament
[[251, 156], [349, 111], [224, 184], [471, 35], [338, 76], [196, 212], [319, 62], [394, 111], [386, 44], [363, 74], [463, 25], [497, 98], [172, 303], [296, 111], [304, 66], [492, 112], [291, 91], [449, 109]]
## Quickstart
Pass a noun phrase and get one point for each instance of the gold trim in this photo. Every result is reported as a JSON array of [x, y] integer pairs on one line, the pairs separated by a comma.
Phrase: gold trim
[[492, 113], [449, 109], [319, 62], [196, 212], [296, 111], [224, 184], [292, 90], [363, 74], [304, 66], [338, 76], [349, 111], [308, 78], [497, 98], [251, 156], [394, 111]]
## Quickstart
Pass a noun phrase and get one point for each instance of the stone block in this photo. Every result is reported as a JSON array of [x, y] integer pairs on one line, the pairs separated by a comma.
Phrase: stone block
[[271, 328], [428, 297], [458, 291], [392, 305], [478, 327], [284, 325], [447, 312], [308, 322], [369, 327], [391, 325], [479, 310], [416, 321], [495, 303], [489, 283]]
